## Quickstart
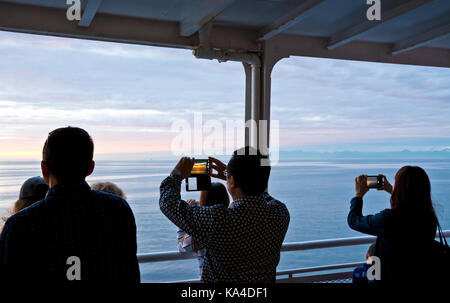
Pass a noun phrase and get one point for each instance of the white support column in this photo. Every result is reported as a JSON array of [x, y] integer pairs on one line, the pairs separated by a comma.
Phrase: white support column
[[270, 58], [256, 103], [248, 99], [257, 99]]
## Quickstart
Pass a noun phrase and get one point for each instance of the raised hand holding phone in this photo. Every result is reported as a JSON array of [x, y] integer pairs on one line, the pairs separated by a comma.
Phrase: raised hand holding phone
[[219, 167], [386, 185], [184, 166], [361, 187], [199, 177]]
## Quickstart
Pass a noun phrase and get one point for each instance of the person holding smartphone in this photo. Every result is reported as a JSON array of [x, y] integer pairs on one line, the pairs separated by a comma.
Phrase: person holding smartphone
[[242, 241], [405, 231]]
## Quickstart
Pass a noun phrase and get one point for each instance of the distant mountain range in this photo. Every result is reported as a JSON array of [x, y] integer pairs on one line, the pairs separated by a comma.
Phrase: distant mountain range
[[404, 154], [299, 155]]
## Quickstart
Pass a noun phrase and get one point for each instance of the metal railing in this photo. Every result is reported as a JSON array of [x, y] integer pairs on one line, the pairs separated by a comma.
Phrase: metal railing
[[296, 246]]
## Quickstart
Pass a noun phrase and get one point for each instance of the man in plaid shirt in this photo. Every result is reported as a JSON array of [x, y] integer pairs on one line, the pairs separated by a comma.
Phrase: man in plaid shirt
[[73, 222]]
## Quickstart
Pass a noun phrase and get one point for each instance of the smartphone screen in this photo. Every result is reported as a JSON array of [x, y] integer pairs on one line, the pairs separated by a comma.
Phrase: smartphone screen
[[374, 182], [201, 167], [191, 185]]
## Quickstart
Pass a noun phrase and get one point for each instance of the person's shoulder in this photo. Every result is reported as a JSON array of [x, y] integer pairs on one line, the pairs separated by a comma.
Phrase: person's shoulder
[[29, 213], [274, 203]]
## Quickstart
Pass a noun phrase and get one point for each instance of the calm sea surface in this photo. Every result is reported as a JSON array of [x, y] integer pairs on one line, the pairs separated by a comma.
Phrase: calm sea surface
[[317, 194]]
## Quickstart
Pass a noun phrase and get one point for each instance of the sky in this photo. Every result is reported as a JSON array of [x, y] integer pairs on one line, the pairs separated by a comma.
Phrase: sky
[[128, 98]]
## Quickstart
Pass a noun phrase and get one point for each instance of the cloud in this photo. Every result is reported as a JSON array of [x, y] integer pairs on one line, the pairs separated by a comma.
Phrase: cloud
[[361, 101], [131, 94]]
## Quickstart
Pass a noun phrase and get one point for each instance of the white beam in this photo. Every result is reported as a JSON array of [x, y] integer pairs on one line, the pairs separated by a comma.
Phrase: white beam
[[352, 33], [201, 16], [421, 39], [89, 13], [288, 20]]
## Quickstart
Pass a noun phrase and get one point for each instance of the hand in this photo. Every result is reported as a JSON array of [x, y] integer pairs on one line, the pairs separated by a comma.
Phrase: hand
[[191, 202], [184, 166], [361, 186], [387, 186], [219, 167]]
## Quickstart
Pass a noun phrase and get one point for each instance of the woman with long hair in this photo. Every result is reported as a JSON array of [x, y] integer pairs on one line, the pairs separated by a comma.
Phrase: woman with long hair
[[405, 232], [216, 195], [33, 190]]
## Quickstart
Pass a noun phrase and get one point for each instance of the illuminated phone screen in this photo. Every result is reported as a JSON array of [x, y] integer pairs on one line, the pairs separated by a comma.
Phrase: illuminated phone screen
[[201, 167], [374, 182]]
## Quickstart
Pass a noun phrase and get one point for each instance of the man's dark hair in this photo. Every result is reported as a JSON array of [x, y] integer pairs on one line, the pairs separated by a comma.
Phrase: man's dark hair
[[250, 170], [68, 152]]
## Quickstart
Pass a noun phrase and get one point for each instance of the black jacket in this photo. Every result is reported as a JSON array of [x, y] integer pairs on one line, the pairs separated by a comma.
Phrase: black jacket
[[98, 228], [404, 241]]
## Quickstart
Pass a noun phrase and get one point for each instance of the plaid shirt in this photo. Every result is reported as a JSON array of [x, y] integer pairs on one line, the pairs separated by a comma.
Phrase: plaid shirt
[[72, 220], [242, 242]]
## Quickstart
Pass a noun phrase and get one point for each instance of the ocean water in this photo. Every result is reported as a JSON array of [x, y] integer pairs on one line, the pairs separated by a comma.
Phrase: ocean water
[[317, 194]]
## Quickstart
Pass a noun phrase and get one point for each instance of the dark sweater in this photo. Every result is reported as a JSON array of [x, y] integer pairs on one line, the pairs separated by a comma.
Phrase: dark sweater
[[403, 241], [73, 220]]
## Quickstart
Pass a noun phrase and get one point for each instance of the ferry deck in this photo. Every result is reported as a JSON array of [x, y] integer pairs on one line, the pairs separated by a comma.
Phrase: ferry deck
[[258, 33]]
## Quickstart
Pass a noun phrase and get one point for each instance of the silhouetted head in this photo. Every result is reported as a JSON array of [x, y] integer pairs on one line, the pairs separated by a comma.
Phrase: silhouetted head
[[412, 189], [33, 190], [412, 195], [67, 155], [248, 171], [216, 195]]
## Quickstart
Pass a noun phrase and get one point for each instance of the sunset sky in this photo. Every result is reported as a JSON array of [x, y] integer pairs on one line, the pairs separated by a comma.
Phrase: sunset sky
[[128, 96]]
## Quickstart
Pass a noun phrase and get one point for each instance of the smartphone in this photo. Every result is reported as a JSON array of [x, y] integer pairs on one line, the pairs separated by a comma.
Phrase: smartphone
[[375, 182], [198, 183], [191, 184], [201, 167], [199, 178]]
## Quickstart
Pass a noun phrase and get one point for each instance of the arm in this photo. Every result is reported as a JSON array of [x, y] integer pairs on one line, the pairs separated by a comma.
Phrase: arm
[[184, 241], [371, 224], [198, 222], [129, 265], [134, 263]]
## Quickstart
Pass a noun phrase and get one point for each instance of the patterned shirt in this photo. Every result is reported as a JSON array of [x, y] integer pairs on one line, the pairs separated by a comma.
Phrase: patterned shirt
[[242, 242], [73, 220]]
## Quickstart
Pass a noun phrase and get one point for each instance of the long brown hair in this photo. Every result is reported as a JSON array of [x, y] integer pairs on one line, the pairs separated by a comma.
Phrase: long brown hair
[[412, 196], [216, 195], [18, 206]]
